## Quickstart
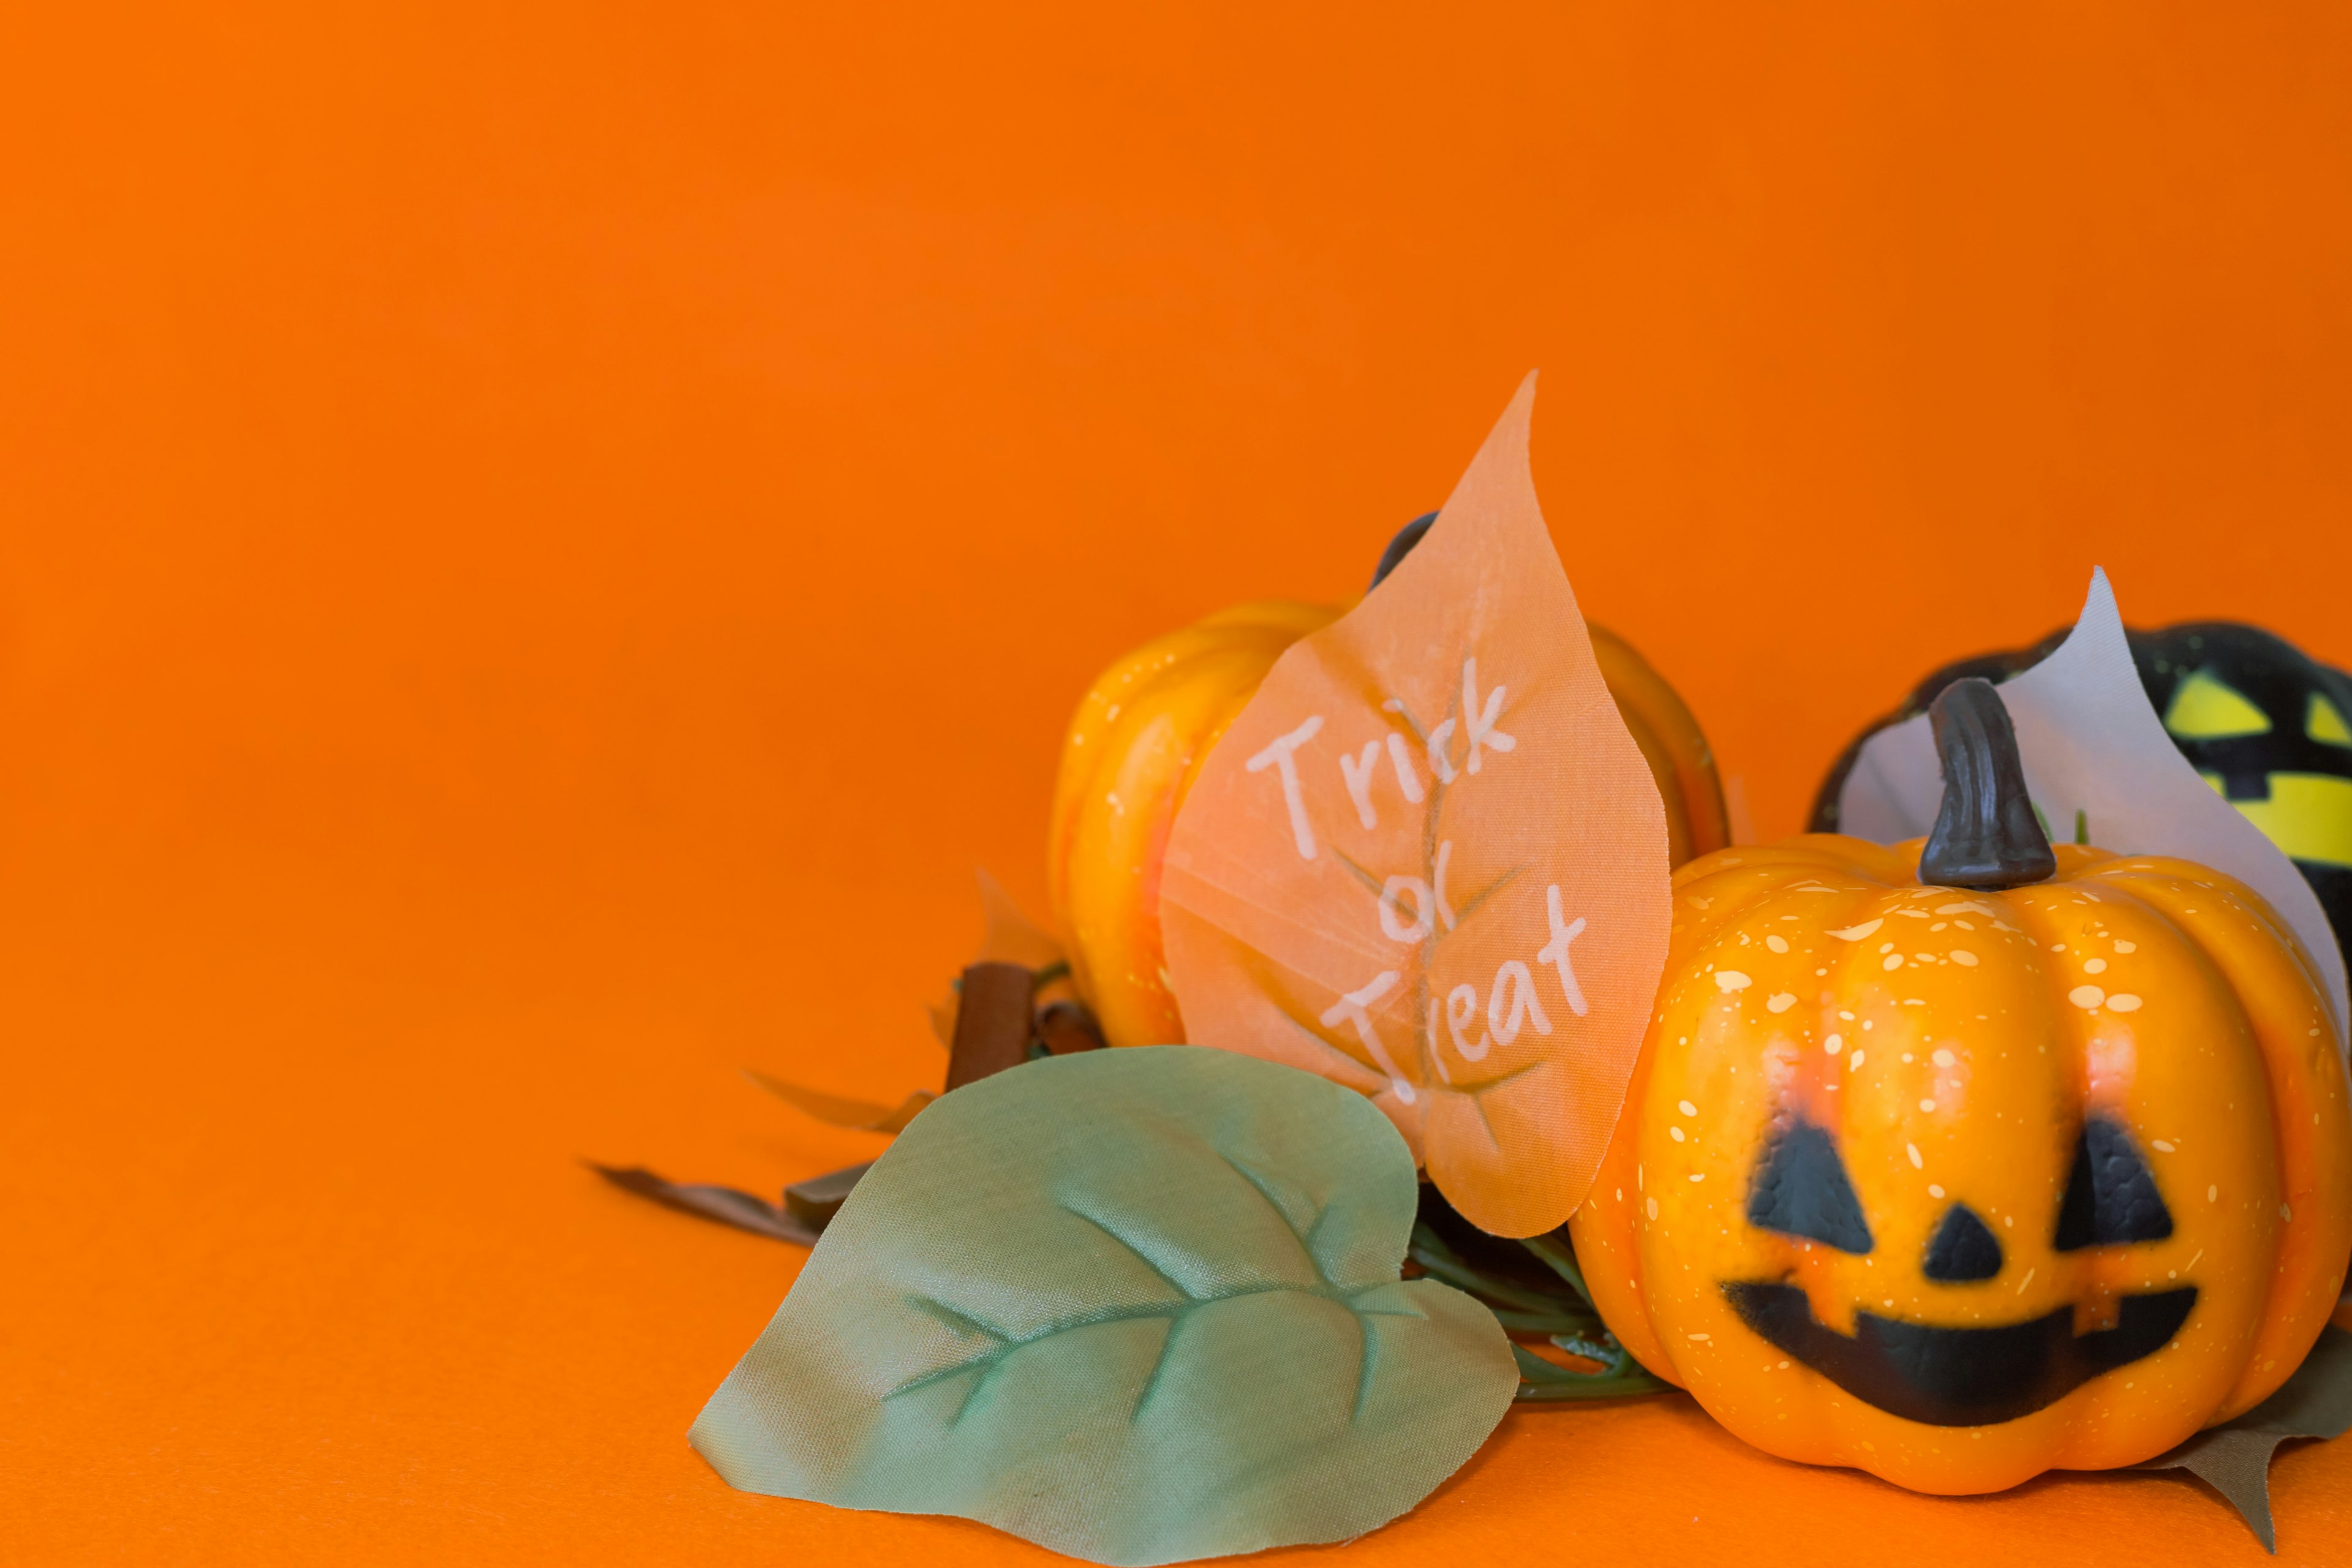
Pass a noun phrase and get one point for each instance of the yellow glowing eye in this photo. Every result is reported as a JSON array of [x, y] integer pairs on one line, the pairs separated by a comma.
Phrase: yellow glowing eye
[[2325, 724], [2203, 708]]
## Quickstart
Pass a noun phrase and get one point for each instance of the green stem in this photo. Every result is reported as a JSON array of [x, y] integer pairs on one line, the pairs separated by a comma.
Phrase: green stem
[[1565, 1316], [1548, 1323], [1560, 1261], [1594, 1387], [1619, 1376], [1441, 1261]]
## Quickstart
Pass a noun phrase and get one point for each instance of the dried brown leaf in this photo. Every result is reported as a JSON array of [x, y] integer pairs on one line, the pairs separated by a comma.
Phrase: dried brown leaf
[[2235, 1459], [839, 1111]]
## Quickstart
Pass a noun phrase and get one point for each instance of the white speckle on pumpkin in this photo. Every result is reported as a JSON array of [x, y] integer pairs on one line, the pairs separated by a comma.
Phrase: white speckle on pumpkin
[[1853, 1062], [1781, 1002], [2086, 996], [1934, 1191], [1894, 960], [2122, 1002], [1731, 980], [1776, 943], [2123, 946], [1927, 1105], [2161, 1145], [1855, 933], [1653, 1208], [1963, 957], [1698, 1176], [1944, 1057], [1687, 1108], [2212, 1195], [1913, 1150], [1675, 1133], [2094, 966], [2024, 1282]]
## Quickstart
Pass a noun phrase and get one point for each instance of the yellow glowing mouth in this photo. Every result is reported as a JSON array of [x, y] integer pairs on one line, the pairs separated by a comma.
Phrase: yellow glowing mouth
[[2308, 816]]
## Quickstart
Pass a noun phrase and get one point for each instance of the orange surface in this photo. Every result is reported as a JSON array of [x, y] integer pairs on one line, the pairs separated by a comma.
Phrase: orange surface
[[542, 543]]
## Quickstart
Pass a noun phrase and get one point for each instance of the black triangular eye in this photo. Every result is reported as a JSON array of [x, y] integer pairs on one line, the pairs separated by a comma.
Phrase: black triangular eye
[[1802, 1190], [2111, 1195], [1964, 1248]]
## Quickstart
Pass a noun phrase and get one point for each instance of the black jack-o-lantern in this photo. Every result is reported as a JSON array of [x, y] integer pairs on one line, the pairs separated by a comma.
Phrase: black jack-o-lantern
[[2267, 725]]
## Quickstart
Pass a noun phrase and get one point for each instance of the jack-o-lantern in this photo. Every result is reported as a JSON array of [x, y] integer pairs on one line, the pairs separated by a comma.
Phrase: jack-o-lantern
[[2268, 726], [1143, 730], [1967, 1158]]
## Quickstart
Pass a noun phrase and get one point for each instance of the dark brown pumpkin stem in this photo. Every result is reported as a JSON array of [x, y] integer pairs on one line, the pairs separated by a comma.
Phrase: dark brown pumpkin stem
[[1986, 836], [1411, 534]]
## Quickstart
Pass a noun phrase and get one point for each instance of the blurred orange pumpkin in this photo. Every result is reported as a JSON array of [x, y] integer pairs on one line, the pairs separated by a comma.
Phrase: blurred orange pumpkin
[[1138, 739]]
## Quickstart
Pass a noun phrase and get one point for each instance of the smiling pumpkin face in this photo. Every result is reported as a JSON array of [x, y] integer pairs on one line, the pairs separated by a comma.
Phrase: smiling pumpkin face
[[1956, 1185]]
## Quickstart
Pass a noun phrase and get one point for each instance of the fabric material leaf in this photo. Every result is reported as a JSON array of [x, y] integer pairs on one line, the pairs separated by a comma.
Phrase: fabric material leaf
[[1428, 862], [1136, 1306], [2097, 754], [726, 1206], [1012, 936], [839, 1111], [2235, 1459]]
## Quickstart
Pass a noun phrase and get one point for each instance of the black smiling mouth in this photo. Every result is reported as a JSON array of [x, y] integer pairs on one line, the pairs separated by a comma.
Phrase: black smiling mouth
[[1960, 1377]]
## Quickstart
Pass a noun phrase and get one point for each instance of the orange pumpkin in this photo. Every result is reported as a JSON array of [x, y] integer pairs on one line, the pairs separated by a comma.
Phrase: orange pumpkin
[[1137, 741], [1958, 1169], [1144, 728]]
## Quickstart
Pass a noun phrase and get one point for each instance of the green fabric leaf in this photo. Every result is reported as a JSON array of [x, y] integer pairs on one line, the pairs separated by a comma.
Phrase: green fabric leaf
[[1138, 1306]]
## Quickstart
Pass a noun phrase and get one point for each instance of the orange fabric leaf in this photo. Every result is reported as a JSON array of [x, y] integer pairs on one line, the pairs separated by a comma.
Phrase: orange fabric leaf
[[1428, 861]]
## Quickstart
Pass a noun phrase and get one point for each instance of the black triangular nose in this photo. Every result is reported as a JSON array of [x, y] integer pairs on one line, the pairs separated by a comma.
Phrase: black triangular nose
[[1965, 1249]]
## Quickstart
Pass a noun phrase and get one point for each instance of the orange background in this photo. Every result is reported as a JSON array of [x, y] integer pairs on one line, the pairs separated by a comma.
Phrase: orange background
[[543, 543]]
